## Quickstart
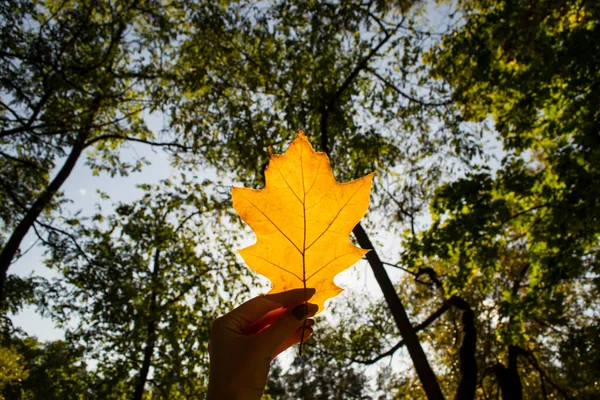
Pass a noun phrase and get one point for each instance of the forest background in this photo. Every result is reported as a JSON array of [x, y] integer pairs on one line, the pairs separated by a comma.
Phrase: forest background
[[124, 123]]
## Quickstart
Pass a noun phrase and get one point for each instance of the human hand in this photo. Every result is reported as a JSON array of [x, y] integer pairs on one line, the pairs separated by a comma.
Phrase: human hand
[[245, 341]]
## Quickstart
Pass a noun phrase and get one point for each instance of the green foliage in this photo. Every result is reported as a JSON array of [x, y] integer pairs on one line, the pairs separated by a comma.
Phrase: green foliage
[[12, 370], [52, 370], [521, 242], [76, 80], [22, 292], [513, 231], [147, 283], [581, 358], [325, 68], [317, 376]]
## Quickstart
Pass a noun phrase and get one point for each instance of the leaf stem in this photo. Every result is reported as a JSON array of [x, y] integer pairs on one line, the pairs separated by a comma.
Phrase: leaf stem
[[303, 249]]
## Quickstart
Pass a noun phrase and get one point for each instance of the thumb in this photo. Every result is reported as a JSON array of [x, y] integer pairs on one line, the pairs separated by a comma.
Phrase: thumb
[[285, 326]]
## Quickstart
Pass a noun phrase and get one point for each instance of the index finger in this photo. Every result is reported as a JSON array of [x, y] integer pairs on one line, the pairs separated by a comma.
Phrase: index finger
[[255, 308]]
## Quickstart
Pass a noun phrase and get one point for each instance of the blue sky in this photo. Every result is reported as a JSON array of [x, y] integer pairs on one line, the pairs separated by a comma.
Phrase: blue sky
[[81, 189]]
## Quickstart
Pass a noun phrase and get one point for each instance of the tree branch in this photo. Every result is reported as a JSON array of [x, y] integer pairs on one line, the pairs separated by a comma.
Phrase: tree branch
[[468, 363], [12, 245], [185, 220], [423, 325], [187, 288], [70, 236], [529, 356], [402, 210], [508, 378], [35, 112], [151, 334], [430, 272], [138, 140], [524, 212], [409, 272], [404, 94], [362, 64], [424, 371]]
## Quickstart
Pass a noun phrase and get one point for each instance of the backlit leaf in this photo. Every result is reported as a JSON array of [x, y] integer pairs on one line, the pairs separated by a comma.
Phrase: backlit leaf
[[302, 220]]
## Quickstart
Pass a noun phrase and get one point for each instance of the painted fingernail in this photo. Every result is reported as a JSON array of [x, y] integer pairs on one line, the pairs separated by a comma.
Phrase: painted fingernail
[[312, 309], [300, 312]]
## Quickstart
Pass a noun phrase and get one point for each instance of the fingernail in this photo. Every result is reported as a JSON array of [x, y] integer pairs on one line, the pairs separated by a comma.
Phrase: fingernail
[[300, 312], [311, 292], [312, 309]]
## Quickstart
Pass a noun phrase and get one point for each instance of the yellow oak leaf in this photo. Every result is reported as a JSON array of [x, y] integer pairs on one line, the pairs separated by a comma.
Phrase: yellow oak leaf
[[302, 220]]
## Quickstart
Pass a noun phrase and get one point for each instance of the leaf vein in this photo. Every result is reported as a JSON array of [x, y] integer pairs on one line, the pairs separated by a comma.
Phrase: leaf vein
[[273, 223], [287, 183], [324, 266], [278, 266], [314, 180], [334, 218]]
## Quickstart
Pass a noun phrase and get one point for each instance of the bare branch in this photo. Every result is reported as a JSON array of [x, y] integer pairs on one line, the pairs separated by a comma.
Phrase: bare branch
[[524, 212], [423, 325], [363, 64], [35, 112], [529, 356], [138, 140], [68, 235], [404, 94]]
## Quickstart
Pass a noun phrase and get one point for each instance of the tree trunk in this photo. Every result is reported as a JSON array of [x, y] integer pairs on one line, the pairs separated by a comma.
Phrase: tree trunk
[[468, 364], [508, 378], [150, 333], [14, 242], [424, 371]]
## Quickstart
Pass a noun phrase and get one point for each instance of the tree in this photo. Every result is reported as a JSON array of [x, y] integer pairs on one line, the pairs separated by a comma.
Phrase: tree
[[140, 289], [52, 370], [318, 378], [75, 79], [520, 243], [12, 370], [365, 336], [309, 65], [534, 220], [524, 234]]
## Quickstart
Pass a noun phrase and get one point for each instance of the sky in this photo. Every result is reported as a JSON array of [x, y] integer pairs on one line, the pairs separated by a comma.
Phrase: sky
[[81, 189]]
